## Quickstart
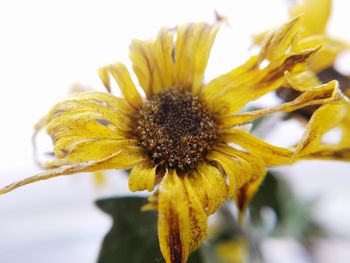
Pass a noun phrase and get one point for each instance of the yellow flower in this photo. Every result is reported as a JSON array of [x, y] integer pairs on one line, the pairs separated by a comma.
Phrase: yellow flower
[[315, 17], [320, 69], [326, 117], [177, 140]]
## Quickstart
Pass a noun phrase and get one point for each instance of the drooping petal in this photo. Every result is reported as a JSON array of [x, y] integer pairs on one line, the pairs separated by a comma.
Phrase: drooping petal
[[247, 190], [209, 185], [315, 14], [122, 76], [64, 169], [90, 126], [142, 176], [152, 62], [326, 93], [239, 167], [272, 155], [193, 45], [323, 120], [182, 221]]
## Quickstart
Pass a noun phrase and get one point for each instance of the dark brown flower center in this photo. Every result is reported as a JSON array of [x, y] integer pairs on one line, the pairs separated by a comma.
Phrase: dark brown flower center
[[175, 129]]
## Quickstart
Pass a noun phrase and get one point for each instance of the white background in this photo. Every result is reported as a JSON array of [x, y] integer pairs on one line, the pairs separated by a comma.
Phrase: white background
[[46, 46]]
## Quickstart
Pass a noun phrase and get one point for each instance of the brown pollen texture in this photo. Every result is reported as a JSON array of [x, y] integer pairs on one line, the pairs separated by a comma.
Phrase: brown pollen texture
[[175, 129]]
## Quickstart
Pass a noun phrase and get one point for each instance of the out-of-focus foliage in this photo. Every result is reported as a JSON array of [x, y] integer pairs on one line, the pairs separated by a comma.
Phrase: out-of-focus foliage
[[133, 236]]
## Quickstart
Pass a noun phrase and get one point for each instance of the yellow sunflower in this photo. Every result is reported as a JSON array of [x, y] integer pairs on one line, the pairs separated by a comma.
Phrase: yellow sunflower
[[177, 140]]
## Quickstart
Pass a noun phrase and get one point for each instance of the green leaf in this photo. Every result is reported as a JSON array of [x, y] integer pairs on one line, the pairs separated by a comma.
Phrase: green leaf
[[133, 237]]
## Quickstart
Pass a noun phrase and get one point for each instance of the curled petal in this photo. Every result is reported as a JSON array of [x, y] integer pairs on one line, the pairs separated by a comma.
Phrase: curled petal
[[302, 79], [323, 120], [182, 221], [326, 93]]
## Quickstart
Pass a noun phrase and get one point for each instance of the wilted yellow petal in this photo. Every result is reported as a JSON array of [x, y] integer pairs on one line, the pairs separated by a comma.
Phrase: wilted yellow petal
[[64, 169], [276, 43], [314, 96], [302, 79], [122, 76], [142, 176], [152, 62], [257, 170], [315, 14], [124, 158], [209, 185], [193, 45], [90, 126], [239, 167], [323, 120], [256, 163], [272, 155], [182, 221], [236, 77], [234, 91]]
